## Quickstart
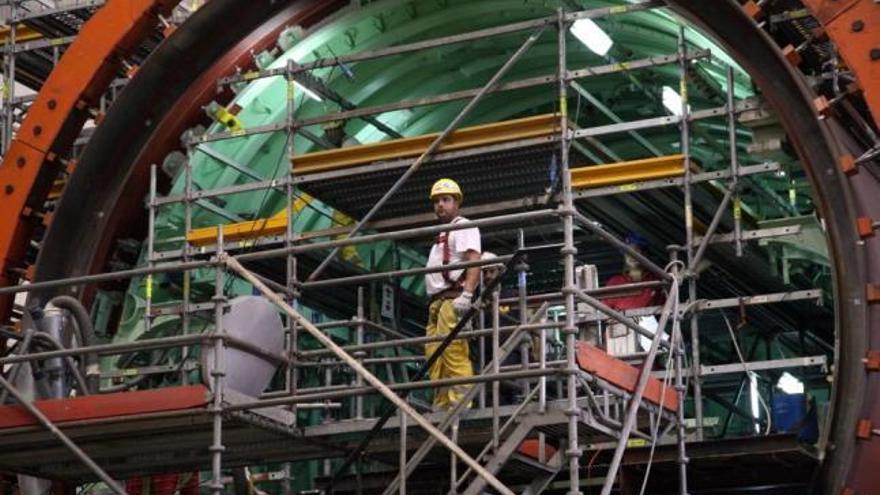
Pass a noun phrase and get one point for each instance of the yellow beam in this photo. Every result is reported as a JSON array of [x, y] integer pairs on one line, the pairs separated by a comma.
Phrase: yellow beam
[[468, 137], [625, 172], [22, 34], [254, 229]]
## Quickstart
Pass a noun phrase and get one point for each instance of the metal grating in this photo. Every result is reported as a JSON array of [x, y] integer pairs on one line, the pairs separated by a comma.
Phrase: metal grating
[[498, 176]]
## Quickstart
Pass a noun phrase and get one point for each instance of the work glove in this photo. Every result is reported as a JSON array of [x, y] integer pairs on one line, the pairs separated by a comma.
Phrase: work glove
[[462, 302]]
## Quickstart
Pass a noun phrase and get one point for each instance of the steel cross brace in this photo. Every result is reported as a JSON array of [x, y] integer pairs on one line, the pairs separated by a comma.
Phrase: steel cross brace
[[371, 379]]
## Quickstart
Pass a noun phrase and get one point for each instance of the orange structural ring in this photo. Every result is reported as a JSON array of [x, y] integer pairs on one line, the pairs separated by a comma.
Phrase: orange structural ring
[[89, 65], [36, 155], [854, 27]]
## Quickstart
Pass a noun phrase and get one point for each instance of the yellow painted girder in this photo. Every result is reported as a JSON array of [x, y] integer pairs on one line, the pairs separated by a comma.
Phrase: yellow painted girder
[[22, 34], [267, 227], [660, 167], [467, 137], [253, 229]]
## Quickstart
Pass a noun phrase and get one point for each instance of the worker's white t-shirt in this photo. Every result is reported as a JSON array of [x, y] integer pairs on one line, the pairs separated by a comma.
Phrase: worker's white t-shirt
[[460, 242]]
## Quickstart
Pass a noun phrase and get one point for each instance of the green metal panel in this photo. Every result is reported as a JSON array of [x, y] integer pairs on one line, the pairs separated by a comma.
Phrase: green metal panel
[[369, 25]]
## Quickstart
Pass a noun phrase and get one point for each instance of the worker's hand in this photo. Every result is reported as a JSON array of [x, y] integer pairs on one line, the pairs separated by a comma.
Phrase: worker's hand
[[462, 302]]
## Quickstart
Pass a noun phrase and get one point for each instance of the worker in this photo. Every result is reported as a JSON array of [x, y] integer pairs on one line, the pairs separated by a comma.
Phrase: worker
[[619, 339], [451, 291], [490, 273], [510, 392]]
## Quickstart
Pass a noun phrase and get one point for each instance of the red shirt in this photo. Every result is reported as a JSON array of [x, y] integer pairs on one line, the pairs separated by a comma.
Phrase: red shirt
[[649, 296]]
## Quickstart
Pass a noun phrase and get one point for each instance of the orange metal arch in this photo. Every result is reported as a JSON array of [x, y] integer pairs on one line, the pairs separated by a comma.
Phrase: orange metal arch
[[91, 62], [56, 118], [854, 27]]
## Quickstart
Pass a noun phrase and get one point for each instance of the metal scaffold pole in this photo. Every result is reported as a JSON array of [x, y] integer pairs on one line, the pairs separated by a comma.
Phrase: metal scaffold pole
[[151, 250], [734, 164], [371, 379], [290, 277], [218, 372], [434, 146], [568, 252], [633, 407], [54, 430], [188, 226], [689, 228], [677, 343]]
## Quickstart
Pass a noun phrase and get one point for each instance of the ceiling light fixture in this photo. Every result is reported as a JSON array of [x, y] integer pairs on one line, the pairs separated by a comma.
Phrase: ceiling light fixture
[[592, 36]]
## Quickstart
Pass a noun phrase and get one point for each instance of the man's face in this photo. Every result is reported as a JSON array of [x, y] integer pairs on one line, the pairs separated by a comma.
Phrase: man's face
[[632, 267], [445, 207], [490, 274]]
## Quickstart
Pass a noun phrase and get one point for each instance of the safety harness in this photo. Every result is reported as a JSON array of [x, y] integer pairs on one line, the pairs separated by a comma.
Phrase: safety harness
[[443, 241]]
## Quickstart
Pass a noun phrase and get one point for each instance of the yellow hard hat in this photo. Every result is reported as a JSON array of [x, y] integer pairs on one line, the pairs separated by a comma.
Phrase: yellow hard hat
[[446, 186]]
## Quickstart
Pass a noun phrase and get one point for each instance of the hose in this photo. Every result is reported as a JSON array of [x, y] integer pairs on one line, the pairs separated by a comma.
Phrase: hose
[[23, 348], [85, 335], [138, 379], [74, 369]]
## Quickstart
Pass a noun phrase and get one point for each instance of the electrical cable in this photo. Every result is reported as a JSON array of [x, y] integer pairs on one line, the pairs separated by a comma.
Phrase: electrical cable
[[751, 374], [676, 336]]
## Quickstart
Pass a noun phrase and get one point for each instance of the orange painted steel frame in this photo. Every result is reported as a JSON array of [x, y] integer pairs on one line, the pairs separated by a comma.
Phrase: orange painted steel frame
[[90, 63], [854, 27], [620, 374], [56, 117], [109, 406]]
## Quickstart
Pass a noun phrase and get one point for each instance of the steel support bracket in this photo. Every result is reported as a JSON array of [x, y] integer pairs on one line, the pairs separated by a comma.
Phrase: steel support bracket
[[872, 293], [863, 430], [865, 227], [848, 164], [872, 361]]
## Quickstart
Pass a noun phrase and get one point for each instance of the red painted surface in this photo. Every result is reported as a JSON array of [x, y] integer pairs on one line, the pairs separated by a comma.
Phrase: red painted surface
[[594, 360], [854, 27], [649, 296], [108, 406], [531, 448]]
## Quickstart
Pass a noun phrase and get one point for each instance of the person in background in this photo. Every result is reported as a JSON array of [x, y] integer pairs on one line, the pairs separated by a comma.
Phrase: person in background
[[619, 339]]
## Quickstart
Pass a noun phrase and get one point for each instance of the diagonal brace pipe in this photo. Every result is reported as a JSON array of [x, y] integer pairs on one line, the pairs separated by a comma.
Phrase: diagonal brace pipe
[[426, 366], [510, 344], [618, 316], [433, 147], [370, 378], [596, 229], [49, 425], [713, 226], [633, 408]]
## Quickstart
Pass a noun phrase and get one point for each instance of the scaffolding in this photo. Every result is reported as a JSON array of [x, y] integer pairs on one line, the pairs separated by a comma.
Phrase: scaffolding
[[47, 44], [571, 399]]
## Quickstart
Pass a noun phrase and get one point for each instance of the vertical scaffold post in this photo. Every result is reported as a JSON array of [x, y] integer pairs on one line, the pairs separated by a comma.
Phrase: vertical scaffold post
[[496, 368], [680, 388], [522, 271], [481, 359], [402, 475], [218, 372], [187, 228], [359, 354], [734, 164], [9, 80], [151, 247], [568, 252], [290, 262], [689, 227]]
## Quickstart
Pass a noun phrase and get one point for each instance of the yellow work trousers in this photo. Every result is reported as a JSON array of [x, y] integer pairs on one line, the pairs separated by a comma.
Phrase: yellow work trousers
[[455, 360]]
